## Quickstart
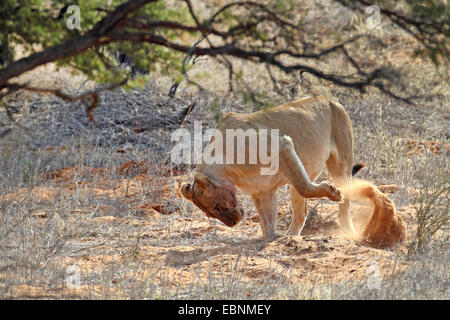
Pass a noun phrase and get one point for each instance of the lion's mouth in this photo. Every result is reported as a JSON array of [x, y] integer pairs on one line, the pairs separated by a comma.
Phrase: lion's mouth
[[230, 218], [229, 223]]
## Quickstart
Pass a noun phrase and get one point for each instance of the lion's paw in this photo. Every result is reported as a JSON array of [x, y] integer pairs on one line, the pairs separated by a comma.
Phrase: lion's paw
[[334, 194]]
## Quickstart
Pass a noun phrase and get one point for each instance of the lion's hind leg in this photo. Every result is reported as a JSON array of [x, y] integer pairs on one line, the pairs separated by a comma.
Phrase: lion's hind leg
[[341, 171], [292, 168]]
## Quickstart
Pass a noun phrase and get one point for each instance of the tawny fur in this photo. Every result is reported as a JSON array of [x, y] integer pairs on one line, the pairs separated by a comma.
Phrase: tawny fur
[[314, 133], [385, 227]]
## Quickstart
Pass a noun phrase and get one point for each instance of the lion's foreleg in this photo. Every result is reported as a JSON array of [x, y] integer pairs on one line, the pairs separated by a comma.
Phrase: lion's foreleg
[[299, 210], [266, 204]]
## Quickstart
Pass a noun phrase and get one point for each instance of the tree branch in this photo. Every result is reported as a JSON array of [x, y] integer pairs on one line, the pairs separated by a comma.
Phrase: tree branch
[[73, 46], [115, 28]]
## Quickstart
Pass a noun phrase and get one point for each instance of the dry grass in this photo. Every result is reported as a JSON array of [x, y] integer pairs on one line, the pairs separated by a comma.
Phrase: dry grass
[[67, 197], [132, 236]]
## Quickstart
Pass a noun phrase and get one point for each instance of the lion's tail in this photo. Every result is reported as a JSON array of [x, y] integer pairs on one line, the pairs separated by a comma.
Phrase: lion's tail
[[385, 227], [365, 191]]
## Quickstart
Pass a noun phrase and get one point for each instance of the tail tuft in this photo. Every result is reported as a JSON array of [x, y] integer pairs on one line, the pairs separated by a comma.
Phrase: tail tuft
[[357, 167], [385, 227]]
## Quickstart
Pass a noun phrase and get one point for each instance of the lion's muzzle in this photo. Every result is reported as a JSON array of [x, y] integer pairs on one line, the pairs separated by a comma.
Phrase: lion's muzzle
[[230, 217]]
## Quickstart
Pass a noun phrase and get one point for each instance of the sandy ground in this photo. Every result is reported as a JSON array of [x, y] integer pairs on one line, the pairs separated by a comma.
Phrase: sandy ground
[[154, 238], [188, 247]]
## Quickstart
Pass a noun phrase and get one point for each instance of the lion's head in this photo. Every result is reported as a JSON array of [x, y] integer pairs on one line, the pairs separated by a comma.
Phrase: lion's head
[[216, 199]]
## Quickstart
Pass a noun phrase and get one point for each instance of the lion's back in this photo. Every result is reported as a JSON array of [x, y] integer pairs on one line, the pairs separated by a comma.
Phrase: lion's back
[[289, 117]]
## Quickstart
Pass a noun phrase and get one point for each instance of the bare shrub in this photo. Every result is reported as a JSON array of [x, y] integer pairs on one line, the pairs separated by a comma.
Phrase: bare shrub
[[431, 208]]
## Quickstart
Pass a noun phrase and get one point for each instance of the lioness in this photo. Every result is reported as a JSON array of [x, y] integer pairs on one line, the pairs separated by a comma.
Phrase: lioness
[[314, 132]]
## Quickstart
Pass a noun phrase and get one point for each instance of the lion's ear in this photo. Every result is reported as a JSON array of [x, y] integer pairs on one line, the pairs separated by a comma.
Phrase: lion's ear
[[186, 191], [203, 180]]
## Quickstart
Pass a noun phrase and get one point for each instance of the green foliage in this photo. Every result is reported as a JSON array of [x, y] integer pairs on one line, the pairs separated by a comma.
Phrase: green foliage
[[284, 8], [36, 24], [27, 172], [216, 109], [428, 19], [260, 99], [436, 13]]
